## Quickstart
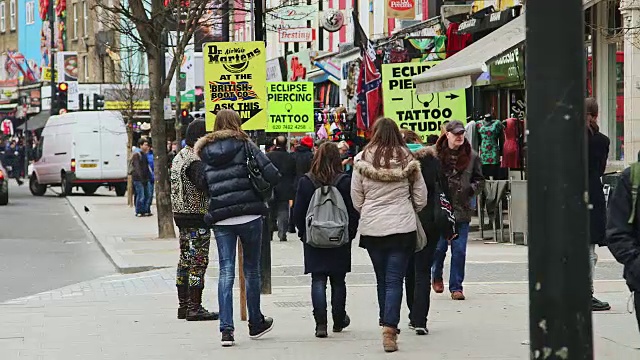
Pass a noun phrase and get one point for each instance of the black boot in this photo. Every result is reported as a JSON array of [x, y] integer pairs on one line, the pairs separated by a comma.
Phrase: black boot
[[340, 322], [321, 325], [183, 301], [196, 312]]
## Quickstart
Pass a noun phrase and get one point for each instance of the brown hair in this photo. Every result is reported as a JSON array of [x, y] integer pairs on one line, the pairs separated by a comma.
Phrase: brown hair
[[591, 108], [326, 164], [388, 144], [229, 120], [410, 136]]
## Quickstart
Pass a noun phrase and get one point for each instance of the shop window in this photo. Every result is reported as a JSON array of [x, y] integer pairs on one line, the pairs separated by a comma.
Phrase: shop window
[[3, 17], [12, 15]]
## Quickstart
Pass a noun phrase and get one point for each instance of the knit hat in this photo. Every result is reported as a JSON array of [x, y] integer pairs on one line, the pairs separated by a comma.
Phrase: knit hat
[[195, 130], [307, 141]]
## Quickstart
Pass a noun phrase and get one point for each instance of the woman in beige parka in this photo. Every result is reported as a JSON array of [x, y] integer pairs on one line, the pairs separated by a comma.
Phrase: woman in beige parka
[[387, 188]]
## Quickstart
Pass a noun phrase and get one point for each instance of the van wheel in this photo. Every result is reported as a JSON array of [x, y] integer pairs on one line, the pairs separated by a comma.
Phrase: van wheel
[[67, 187], [90, 189], [121, 189], [35, 187]]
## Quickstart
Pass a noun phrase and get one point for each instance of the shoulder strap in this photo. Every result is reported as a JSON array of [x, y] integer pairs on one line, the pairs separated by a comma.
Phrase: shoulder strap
[[635, 183], [339, 178], [315, 182]]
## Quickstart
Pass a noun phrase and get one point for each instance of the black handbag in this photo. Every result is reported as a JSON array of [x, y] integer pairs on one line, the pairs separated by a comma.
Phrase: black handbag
[[444, 217], [260, 185]]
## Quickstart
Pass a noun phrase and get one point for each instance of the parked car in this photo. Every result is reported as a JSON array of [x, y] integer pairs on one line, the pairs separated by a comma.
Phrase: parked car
[[81, 149], [4, 186]]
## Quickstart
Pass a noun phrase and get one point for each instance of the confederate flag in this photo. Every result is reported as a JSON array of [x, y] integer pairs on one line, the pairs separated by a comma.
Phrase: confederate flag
[[369, 89]]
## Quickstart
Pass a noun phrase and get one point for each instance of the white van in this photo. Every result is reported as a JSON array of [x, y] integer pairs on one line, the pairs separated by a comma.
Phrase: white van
[[81, 149]]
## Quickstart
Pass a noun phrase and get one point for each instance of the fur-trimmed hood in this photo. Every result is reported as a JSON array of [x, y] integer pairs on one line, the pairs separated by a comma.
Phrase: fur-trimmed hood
[[426, 152], [395, 173], [220, 147], [216, 136]]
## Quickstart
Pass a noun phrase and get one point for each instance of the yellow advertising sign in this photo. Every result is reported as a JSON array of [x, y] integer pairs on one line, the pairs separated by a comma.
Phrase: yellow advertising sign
[[290, 107], [424, 114], [125, 105], [46, 74], [235, 77]]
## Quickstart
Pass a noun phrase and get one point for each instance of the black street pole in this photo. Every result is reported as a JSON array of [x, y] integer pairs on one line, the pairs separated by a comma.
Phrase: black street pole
[[267, 223], [225, 20], [52, 45], [559, 287]]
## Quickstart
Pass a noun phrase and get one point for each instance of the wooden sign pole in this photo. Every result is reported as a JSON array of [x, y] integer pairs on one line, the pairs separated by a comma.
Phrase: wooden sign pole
[[243, 292]]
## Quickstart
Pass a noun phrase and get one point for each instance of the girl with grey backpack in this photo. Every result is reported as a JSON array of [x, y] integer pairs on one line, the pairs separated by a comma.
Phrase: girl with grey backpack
[[327, 223]]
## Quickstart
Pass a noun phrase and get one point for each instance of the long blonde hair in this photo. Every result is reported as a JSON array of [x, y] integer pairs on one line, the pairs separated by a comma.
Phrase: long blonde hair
[[228, 119]]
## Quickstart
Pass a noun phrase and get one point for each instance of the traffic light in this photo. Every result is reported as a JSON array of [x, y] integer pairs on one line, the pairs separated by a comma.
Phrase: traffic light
[[61, 97], [98, 102]]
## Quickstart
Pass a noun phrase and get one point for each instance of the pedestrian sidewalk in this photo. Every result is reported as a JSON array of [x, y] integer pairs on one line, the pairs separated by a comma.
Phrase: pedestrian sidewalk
[[131, 243]]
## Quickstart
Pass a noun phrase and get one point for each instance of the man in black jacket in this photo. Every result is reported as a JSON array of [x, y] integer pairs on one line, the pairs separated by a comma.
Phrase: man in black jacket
[[284, 191], [302, 157], [622, 231]]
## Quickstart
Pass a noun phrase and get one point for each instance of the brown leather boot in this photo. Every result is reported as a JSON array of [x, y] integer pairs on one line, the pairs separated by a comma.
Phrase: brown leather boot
[[389, 339], [196, 312], [438, 286], [183, 301]]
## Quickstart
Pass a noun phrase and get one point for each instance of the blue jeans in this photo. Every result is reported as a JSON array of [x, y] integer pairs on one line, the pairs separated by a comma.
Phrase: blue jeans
[[250, 235], [458, 258], [149, 199], [390, 266], [338, 296], [143, 195]]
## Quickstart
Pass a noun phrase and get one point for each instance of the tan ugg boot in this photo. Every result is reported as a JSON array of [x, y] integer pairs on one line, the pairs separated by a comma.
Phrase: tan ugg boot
[[389, 339]]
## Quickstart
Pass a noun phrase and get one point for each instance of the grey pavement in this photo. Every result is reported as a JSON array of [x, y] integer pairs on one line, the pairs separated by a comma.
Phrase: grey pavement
[[44, 246], [132, 316]]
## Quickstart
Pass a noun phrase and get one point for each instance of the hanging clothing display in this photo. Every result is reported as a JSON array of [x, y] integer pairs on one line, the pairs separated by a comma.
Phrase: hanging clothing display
[[7, 127], [327, 94], [427, 49], [490, 133], [455, 41], [471, 133], [511, 153]]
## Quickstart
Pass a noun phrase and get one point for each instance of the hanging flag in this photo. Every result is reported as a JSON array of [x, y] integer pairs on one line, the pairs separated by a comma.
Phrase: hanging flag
[[369, 89]]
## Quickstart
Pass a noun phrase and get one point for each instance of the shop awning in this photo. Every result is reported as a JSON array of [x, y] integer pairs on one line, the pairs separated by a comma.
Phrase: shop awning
[[463, 69], [35, 122]]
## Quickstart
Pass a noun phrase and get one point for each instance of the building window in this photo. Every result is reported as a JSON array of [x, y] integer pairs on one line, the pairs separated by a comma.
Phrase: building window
[[30, 13], [85, 19], [3, 18], [85, 61], [12, 15], [75, 21], [418, 5]]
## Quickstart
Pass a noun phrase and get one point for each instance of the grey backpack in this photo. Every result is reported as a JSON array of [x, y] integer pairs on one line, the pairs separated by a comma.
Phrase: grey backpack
[[327, 224]]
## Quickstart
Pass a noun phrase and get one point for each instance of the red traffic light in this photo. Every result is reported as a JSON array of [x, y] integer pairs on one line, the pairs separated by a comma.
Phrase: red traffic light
[[63, 87], [185, 113]]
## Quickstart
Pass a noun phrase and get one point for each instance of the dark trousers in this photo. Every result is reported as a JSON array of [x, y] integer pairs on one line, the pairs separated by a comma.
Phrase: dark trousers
[[418, 283], [319, 296], [194, 256]]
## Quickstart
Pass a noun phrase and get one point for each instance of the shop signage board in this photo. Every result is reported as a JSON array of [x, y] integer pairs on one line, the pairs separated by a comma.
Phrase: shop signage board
[[291, 16], [401, 9], [295, 35], [422, 113], [67, 71], [235, 77], [187, 78], [508, 69], [290, 107]]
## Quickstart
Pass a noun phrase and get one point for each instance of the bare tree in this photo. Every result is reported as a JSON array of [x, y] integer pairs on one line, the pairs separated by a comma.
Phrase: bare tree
[[146, 23], [128, 93]]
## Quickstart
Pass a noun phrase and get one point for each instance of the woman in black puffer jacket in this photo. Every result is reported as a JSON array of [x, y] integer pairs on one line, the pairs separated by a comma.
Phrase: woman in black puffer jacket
[[235, 210]]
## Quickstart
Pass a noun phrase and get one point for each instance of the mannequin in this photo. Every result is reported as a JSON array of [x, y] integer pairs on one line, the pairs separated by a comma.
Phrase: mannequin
[[513, 131], [490, 132], [471, 133]]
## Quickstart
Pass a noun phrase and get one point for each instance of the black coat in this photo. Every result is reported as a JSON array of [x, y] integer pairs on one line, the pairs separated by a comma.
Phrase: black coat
[[623, 238], [329, 261], [231, 193], [598, 146], [286, 165], [432, 173], [303, 157]]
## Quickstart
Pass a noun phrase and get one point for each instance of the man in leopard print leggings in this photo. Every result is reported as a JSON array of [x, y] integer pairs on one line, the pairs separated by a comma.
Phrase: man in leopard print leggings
[[189, 200]]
